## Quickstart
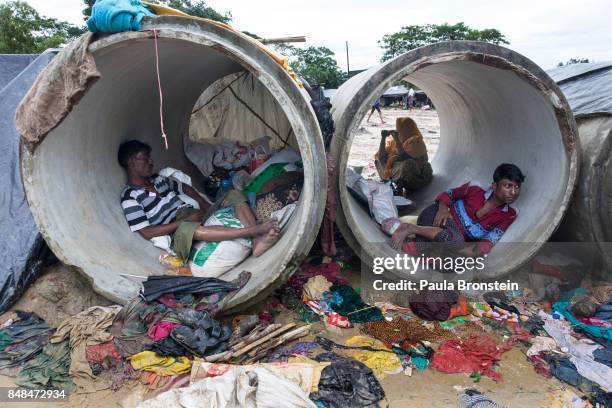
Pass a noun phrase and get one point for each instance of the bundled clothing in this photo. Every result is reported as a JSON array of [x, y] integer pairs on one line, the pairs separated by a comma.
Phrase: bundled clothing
[[414, 171]]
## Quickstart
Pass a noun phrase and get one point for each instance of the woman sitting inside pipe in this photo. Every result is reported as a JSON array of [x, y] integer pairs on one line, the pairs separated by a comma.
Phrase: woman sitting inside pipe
[[152, 206], [462, 215], [403, 159]]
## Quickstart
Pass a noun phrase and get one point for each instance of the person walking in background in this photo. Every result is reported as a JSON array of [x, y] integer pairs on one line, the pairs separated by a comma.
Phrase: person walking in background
[[376, 107], [410, 99]]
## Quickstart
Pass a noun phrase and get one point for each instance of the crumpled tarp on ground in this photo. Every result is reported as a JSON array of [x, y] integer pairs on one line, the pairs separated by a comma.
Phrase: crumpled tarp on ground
[[57, 89], [156, 286], [84, 329], [258, 388], [347, 383]]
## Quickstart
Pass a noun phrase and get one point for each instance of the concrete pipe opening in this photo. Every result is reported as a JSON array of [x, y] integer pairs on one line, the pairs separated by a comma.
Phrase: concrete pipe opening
[[494, 106], [73, 181]]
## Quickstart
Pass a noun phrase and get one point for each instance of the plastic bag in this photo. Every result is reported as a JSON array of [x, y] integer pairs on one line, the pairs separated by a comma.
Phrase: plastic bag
[[212, 259], [258, 157]]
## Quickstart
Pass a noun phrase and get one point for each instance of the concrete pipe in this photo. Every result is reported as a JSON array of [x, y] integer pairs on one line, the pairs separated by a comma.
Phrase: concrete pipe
[[494, 106], [73, 181], [589, 217]]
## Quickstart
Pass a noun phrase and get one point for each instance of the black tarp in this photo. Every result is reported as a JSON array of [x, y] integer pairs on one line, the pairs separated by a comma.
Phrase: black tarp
[[587, 87], [23, 251]]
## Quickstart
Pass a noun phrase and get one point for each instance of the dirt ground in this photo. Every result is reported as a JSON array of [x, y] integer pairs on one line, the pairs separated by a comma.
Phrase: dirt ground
[[367, 139], [61, 292]]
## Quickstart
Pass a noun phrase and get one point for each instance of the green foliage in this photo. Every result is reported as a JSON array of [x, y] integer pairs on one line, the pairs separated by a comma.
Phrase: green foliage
[[575, 61], [315, 64], [415, 36], [194, 8], [24, 31]]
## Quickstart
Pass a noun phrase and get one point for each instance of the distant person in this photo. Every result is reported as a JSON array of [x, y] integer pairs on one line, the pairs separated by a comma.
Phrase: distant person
[[376, 107], [404, 160], [153, 208], [410, 99], [467, 220]]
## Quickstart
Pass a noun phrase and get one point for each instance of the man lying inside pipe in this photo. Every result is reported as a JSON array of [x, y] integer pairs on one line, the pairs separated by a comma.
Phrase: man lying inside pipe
[[403, 159], [152, 206], [462, 215]]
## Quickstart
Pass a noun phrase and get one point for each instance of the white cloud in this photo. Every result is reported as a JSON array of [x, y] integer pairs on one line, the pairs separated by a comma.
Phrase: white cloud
[[545, 31]]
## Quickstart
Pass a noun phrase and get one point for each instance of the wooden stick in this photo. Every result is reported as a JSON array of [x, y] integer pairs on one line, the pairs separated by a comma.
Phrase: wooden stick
[[264, 339], [255, 336], [292, 335], [280, 40]]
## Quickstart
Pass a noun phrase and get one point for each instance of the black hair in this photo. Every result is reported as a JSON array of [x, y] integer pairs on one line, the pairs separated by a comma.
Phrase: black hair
[[129, 149], [510, 172]]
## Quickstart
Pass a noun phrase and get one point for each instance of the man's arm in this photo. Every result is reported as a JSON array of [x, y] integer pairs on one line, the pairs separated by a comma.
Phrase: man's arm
[[382, 148], [400, 147], [187, 189], [153, 231]]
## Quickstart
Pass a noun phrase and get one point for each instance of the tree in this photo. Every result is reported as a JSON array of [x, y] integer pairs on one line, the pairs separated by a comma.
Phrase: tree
[[196, 8], [572, 61], [24, 31], [315, 64], [415, 36]]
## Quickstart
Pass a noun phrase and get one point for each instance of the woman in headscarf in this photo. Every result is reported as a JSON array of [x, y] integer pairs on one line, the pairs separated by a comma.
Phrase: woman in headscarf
[[403, 159]]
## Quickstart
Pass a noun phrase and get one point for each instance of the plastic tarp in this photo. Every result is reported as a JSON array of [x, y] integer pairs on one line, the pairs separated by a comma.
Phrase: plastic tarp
[[12, 65], [238, 107], [587, 87], [22, 248]]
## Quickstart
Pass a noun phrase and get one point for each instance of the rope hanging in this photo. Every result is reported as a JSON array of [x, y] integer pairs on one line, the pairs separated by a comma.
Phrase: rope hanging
[[161, 95]]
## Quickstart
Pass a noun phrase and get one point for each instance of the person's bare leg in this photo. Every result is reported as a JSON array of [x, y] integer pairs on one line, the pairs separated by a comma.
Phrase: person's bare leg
[[263, 242], [215, 233], [369, 116], [381, 117], [406, 230]]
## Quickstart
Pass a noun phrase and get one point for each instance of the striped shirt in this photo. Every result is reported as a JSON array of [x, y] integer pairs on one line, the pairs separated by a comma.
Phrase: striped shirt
[[143, 208]]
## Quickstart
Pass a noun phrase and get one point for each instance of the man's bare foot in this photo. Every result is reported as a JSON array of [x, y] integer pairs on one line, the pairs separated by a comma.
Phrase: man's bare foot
[[265, 226], [265, 242], [400, 235]]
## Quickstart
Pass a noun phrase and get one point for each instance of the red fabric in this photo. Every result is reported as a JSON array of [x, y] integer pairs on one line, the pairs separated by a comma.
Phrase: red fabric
[[540, 365], [161, 330], [477, 353], [167, 300], [593, 321], [331, 271], [100, 352], [328, 245], [549, 270], [473, 199]]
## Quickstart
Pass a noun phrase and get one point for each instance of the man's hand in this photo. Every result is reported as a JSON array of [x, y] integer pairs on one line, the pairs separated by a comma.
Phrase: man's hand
[[195, 216], [442, 215]]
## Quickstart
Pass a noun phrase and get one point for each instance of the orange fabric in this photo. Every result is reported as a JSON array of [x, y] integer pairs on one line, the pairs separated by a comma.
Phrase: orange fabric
[[460, 309], [412, 141]]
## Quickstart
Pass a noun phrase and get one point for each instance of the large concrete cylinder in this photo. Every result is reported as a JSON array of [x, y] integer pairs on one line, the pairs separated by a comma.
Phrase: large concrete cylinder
[[588, 88], [494, 106], [73, 181]]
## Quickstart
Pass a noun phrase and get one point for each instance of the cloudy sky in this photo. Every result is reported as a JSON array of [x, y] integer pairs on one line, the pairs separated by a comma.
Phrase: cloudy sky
[[546, 31]]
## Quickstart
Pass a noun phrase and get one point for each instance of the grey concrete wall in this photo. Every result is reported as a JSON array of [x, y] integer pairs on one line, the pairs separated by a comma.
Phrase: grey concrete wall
[[73, 180], [494, 106]]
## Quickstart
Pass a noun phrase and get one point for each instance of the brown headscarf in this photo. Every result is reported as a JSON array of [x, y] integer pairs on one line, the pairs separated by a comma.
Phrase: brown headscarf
[[412, 141]]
